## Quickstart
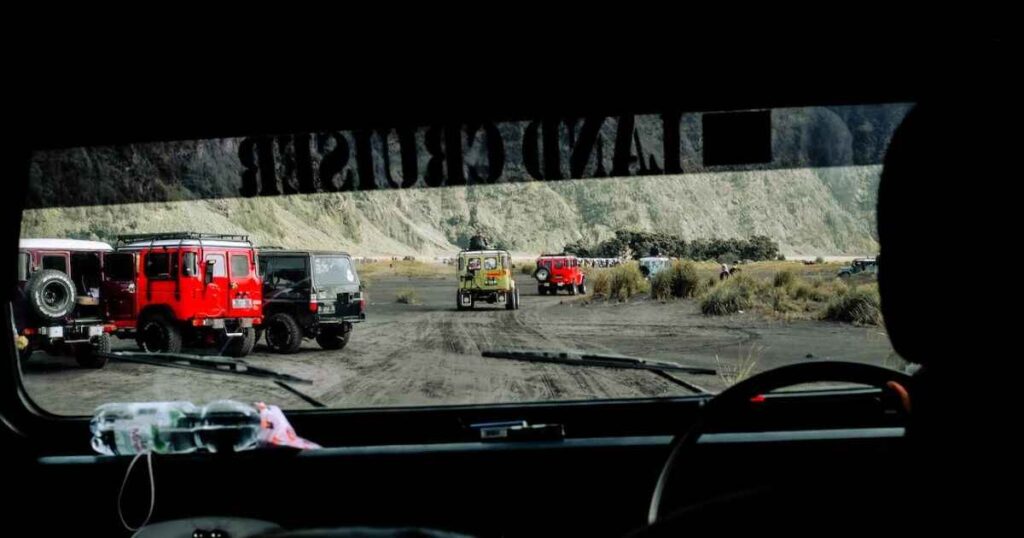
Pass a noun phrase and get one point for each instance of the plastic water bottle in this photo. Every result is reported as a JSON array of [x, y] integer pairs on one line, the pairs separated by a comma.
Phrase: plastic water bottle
[[131, 428], [228, 426], [174, 427]]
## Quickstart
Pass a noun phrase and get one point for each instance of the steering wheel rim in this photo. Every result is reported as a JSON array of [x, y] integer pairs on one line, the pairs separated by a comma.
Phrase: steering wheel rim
[[762, 383]]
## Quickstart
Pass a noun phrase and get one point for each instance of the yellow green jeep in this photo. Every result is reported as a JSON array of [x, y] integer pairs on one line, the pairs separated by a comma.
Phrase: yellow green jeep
[[486, 275]]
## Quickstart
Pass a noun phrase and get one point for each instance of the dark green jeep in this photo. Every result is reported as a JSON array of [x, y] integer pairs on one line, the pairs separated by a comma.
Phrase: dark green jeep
[[309, 294]]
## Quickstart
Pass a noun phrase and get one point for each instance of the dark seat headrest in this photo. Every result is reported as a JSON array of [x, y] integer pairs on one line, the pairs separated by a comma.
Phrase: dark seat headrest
[[943, 219]]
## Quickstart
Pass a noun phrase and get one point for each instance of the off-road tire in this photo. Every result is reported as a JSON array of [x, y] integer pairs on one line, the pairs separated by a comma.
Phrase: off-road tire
[[510, 300], [86, 354], [156, 333], [583, 287], [542, 274], [572, 289], [50, 294], [333, 339], [516, 295], [239, 347], [283, 333]]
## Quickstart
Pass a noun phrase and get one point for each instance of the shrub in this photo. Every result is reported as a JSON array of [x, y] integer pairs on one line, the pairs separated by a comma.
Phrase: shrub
[[407, 296], [626, 281], [859, 305], [661, 285], [830, 288], [777, 299], [803, 291], [684, 279], [733, 295], [600, 282], [784, 279], [528, 268], [819, 260]]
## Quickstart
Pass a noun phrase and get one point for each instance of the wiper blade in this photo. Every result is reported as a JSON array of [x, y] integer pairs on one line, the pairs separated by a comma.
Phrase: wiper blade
[[661, 368], [596, 359], [218, 365], [222, 365]]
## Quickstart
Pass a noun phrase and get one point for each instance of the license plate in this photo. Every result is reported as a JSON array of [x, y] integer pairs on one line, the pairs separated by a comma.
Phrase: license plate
[[55, 332], [241, 303], [95, 330]]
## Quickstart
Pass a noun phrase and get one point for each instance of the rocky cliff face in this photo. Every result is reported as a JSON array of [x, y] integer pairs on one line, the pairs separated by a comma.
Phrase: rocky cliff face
[[817, 197]]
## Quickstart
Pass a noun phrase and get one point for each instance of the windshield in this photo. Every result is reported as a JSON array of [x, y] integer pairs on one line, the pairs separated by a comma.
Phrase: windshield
[[333, 271], [678, 257]]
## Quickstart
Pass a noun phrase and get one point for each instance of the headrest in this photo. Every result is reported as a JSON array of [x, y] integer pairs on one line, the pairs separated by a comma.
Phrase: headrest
[[945, 207]]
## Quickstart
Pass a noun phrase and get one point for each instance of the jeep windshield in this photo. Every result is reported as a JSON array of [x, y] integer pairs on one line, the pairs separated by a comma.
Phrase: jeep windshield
[[330, 271], [730, 242]]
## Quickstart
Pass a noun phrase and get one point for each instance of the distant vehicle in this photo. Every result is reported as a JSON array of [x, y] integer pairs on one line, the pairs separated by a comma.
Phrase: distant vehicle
[[559, 272], [653, 265], [167, 290], [60, 307], [859, 265], [309, 294], [486, 275]]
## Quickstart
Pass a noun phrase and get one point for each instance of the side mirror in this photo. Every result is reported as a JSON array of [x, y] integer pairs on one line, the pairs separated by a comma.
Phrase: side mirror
[[208, 278]]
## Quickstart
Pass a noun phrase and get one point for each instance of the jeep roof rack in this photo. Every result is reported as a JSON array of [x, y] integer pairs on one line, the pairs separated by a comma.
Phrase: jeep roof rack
[[561, 254], [162, 236], [270, 247]]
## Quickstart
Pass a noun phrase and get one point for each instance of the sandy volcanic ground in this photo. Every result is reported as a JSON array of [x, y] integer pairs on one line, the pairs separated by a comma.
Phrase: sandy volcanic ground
[[429, 354]]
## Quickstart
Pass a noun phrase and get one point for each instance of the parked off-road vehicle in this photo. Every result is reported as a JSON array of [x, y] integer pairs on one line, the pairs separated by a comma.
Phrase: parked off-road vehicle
[[59, 305], [859, 265], [486, 275], [309, 294], [652, 265], [168, 290], [559, 272]]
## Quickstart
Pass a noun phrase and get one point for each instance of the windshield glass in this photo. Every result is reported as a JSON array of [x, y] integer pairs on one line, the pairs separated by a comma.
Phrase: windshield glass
[[333, 271], [724, 269]]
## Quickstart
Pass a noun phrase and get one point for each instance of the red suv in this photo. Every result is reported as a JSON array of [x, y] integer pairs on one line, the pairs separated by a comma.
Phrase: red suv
[[59, 306], [172, 289], [559, 271]]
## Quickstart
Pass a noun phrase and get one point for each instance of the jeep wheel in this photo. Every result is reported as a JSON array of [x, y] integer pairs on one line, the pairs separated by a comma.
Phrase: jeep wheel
[[572, 289], [238, 346], [510, 300], [157, 334], [541, 274], [51, 294], [283, 333], [516, 295], [460, 306], [583, 287], [86, 354], [333, 339]]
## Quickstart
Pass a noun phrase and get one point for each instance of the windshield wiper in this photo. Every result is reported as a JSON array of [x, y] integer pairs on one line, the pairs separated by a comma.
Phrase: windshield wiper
[[214, 364], [662, 368]]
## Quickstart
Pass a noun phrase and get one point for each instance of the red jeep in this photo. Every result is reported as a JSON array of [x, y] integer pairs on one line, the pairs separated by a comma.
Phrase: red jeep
[[172, 289], [58, 307], [559, 271]]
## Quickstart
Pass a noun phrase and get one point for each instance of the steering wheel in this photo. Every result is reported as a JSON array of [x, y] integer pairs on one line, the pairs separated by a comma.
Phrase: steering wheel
[[741, 393]]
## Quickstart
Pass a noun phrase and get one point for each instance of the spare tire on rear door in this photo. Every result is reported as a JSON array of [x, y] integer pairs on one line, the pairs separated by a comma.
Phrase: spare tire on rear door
[[51, 294], [541, 274]]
